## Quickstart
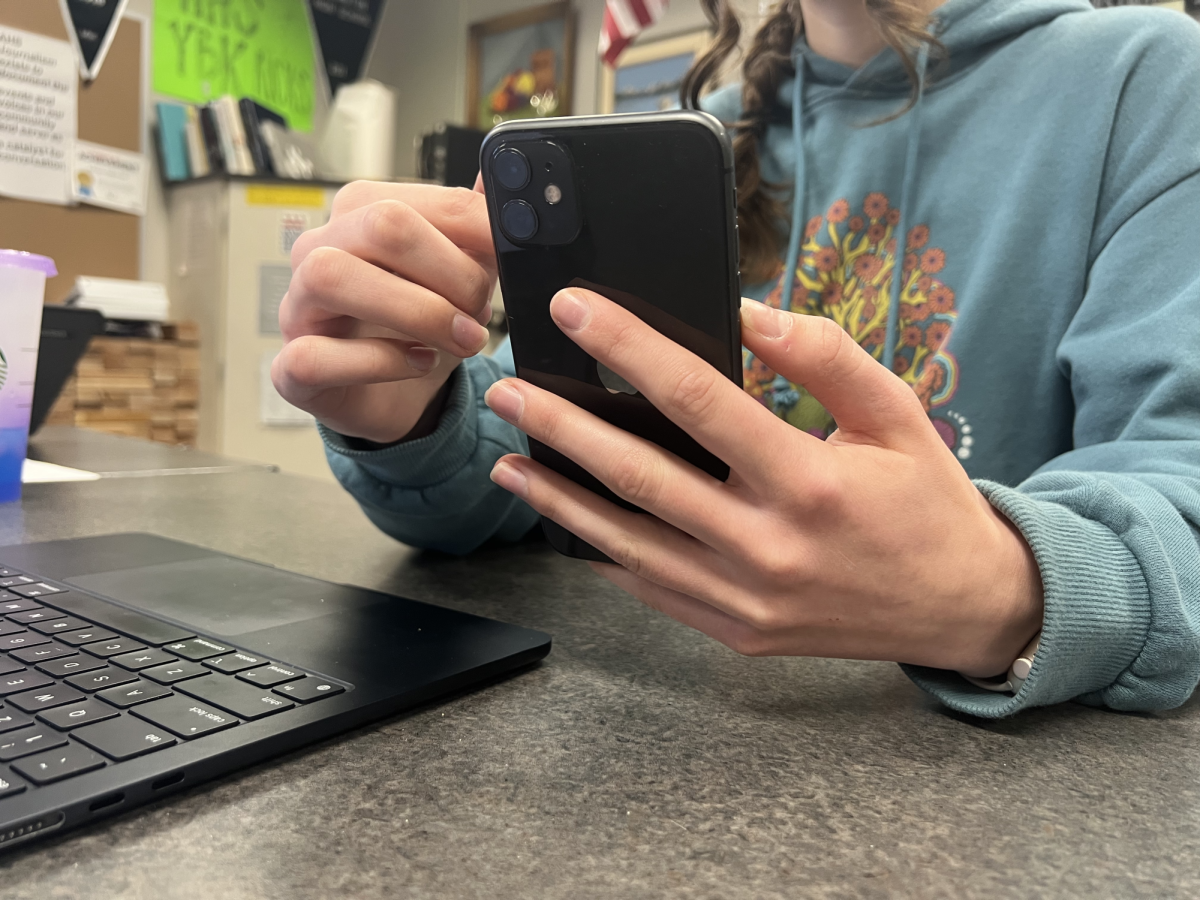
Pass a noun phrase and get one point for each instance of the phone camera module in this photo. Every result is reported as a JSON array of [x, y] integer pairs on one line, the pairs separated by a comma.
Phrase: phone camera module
[[511, 169], [519, 220]]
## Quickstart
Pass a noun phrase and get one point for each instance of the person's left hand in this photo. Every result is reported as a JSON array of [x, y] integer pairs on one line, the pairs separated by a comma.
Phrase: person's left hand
[[871, 545]]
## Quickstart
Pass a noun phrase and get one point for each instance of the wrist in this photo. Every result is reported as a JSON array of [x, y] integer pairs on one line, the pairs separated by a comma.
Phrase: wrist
[[1014, 608]]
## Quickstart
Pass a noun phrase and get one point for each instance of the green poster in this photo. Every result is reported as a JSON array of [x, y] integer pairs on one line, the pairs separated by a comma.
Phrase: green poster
[[259, 49]]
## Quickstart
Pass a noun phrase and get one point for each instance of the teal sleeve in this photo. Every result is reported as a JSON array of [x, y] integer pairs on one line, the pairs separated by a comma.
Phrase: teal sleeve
[[1115, 523], [435, 492]]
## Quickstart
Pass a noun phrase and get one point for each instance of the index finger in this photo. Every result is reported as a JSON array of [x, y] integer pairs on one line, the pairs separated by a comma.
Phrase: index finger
[[458, 213], [687, 390]]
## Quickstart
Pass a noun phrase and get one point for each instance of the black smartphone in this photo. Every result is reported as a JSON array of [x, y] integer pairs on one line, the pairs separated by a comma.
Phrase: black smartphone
[[642, 209]]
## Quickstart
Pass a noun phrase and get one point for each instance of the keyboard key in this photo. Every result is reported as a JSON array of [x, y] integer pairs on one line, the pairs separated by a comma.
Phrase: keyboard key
[[10, 720], [22, 681], [106, 649], [129, 694], [11, 603], [145, 629], [142, 659], [7, 627], [197, 649], [67, 717], [98, 680], [42, 653], [243, 700], [173, 672], [56, 765], [269, 676], [30, 616], [6, 572], [23, 639], [71, 665], [44, 698], [234, 662], [58, 626], [184, 716], [11, 581], [10, 785], [308, 689], [8, 666], [29, 740], [124, 738], [38, 589], [87, 636]]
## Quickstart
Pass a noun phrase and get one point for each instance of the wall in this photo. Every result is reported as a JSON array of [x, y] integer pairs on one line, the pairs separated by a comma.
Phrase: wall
[[422, 50]]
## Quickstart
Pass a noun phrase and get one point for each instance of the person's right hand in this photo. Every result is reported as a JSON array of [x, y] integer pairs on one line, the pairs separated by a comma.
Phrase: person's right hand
[[399, 273]]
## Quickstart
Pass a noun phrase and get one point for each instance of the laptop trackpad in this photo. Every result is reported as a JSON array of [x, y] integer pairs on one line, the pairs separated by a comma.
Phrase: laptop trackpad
[[221, 596]]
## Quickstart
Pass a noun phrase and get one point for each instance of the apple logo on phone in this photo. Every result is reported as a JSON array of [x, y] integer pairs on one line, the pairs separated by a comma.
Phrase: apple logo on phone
[[614, 382]]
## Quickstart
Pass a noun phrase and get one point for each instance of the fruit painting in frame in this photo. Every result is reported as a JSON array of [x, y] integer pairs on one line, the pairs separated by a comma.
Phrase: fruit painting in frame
[[520, 65]]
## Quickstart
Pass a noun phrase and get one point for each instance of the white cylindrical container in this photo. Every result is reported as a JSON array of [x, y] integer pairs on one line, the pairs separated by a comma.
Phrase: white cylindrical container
[[22, 292]]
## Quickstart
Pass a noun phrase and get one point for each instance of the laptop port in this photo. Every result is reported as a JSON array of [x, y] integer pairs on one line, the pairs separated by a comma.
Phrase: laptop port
[[104, 802], [166, 781], [31, 828]]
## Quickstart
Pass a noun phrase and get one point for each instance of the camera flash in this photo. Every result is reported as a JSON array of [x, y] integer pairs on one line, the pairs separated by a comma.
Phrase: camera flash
[[553, 194]]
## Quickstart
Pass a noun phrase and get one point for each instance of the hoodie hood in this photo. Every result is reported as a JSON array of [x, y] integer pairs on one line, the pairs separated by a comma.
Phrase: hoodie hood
[[968, 29]]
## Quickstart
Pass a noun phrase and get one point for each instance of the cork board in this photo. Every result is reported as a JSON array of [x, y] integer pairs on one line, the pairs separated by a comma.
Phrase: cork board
[[83, 240]]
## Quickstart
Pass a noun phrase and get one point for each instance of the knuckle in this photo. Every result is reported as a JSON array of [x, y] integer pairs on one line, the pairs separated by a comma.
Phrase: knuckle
[[694, 392], [460, 202], [637, 476], [387, 223], [324, 271], [352, 196], [628, 553], [300, 363], [777, 564], [747, 641], [304, 245]]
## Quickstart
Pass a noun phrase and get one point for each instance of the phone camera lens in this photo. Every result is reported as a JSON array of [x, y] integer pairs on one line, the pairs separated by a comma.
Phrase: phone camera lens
[[511, 169], [519, 220]]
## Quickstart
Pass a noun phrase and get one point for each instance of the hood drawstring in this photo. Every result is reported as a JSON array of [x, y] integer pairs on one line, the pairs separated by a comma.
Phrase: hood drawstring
[[800, 185]]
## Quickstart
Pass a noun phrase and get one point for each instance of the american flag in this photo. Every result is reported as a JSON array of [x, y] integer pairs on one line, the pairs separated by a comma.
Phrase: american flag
[[623, 20]]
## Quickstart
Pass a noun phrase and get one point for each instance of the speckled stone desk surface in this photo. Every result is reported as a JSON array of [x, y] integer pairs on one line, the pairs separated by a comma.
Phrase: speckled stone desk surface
[[639, 760]]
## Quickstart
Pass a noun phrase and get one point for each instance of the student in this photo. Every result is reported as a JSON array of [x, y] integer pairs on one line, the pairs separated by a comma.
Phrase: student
[[1025, 461]]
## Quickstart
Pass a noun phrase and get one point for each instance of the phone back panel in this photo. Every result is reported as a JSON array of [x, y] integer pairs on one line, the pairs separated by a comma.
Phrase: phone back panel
[[652, 227]]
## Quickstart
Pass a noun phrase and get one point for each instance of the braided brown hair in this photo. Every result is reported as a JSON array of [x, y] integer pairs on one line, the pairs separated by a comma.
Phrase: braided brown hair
[[903, 26]]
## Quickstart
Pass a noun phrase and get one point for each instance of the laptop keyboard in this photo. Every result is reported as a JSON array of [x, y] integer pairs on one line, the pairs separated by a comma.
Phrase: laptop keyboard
[[85, 684]]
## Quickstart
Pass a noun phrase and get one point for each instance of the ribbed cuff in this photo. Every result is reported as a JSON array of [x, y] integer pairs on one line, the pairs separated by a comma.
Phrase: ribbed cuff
[[429, 460], [1097, 609]]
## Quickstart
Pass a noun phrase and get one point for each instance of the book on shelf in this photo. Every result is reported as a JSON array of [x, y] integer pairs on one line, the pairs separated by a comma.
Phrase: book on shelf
[[233, 137], [197, 151], [254, 116], [212, 140], [172, 141]]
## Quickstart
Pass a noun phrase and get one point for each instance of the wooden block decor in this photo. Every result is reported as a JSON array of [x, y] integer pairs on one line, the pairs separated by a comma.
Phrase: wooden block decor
[[137, 387]]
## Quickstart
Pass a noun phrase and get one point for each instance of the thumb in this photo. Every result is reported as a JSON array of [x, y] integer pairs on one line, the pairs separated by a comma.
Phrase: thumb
[[864, 398], [479, 184]]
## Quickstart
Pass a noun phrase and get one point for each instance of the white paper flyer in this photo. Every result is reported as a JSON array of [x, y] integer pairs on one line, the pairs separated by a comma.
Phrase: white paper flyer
[[108, 177], [38, 83]]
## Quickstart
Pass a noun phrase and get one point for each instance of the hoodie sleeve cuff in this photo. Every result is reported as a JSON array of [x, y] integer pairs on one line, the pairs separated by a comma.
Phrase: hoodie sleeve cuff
[[1097, 615], [430, 460]]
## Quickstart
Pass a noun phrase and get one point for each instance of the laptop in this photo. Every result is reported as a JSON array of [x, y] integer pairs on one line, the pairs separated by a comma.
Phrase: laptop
[[132, 666]]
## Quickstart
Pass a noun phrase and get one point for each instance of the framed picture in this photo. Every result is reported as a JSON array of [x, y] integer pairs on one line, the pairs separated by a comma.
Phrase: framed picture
[[648, 75], [519, 66]]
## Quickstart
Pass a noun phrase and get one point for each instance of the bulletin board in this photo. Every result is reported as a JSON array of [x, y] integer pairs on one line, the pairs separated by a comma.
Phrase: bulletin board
[[83, 240]]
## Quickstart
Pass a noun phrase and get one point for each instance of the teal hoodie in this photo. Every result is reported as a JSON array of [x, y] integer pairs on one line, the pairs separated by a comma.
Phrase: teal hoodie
[[1045, 188]]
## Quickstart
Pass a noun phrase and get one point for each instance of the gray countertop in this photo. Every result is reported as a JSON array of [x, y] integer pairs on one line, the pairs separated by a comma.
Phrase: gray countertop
[[639, 760], [122, 457]]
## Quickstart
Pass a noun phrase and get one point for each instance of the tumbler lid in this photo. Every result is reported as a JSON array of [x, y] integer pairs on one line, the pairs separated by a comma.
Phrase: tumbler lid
[[20, 259]]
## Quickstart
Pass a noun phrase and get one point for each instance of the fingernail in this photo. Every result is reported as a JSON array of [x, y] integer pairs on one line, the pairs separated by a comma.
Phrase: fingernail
[[469, 334], [763, 320], [570, 310], [485, 314], [505, 401], [510, 478], [421, 358]]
